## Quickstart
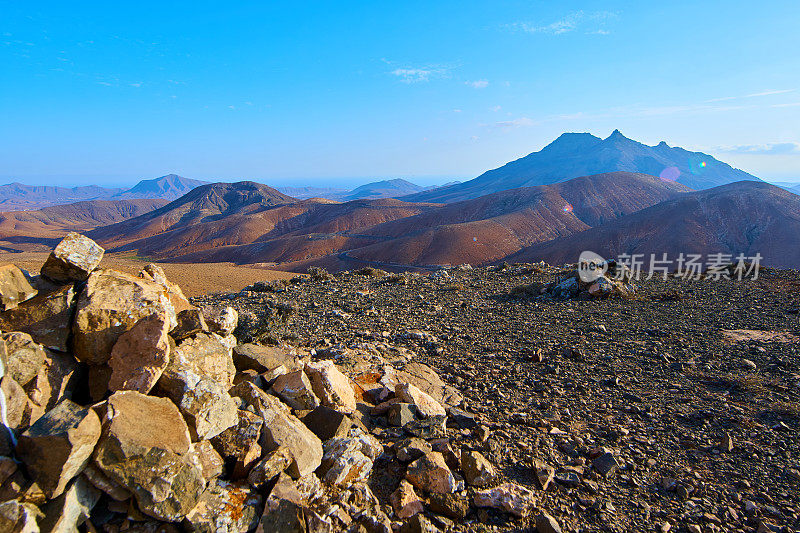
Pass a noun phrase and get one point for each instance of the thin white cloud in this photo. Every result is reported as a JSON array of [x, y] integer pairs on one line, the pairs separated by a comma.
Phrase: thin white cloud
[[753, 95], [768, 93], [421, 74], [515, 123], [496, 108], [589, 22], [478, 84], [785, 148]]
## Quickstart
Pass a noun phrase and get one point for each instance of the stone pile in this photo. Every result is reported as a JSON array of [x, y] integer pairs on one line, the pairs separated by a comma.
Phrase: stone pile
[[616, 282], [127, 408]]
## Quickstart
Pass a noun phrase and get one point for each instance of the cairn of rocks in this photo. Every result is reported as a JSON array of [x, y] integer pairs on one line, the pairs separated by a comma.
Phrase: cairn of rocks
[[126, 408]]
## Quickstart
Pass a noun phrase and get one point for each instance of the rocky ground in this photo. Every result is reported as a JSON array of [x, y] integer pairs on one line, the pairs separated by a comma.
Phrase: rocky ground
[[647, 413], [511, 398]]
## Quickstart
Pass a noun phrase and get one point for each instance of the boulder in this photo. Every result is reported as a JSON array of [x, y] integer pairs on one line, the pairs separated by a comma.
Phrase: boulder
[[146, 448], [428, 381], [240, 444], [7, 468], [327, 423], [73, 259], [283, 512], [411, 449], [155, 273], [405, 501], [18, 517], [431, 474], [425, 405], [140, 355], [508, 497], [401, 413], [452, 505], [263, 358], [58, 379], [225, 507], [430, 428], [25, 357], [331, 386], [211, 461], [190, 322], [281, 428], [269, 467], [205, 403], [478, 472], [222, 321], [547, 524], [105, 484], [17, 411], [46, 317], [111, 304], [605, 464], [70, 510], [14, 287], [295, 389], [57, 447], [346, 460], [207, 355]]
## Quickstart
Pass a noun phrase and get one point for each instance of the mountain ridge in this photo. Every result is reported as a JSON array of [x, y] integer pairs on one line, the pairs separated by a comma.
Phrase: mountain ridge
[[573, 155], [17, 196]]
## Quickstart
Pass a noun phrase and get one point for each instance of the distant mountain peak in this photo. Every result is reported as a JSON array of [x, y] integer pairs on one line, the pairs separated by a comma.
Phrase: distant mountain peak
[[574, 155]]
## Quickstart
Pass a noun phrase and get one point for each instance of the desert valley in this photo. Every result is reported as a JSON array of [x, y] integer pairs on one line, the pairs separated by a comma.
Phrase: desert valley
[[579, 193]]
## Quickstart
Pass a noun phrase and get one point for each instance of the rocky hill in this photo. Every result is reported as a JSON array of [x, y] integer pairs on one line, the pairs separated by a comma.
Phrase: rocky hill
[[396, 403], [582, 154]]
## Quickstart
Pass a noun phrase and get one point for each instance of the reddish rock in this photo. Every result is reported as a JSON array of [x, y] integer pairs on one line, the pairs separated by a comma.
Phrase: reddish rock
[[140, 355]]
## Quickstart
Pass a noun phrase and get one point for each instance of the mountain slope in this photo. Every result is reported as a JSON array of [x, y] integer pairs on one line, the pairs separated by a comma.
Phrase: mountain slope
[[169, 187], [218, 221], [495, 225], [53, 222], [382, 189], [582, 154], [744, 217]]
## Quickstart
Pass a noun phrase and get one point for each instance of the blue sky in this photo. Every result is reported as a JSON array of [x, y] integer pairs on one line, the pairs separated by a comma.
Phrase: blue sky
[[338, 93]]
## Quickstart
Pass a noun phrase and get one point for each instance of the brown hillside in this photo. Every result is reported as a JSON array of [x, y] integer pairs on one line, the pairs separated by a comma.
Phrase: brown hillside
[[744, 217], [48, 225]]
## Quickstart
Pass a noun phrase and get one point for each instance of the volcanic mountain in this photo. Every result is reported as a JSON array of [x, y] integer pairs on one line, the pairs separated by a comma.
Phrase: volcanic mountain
[[383, 189], [18, 197], [744, 217], [169, 187], [582, 154], [217, 222]]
